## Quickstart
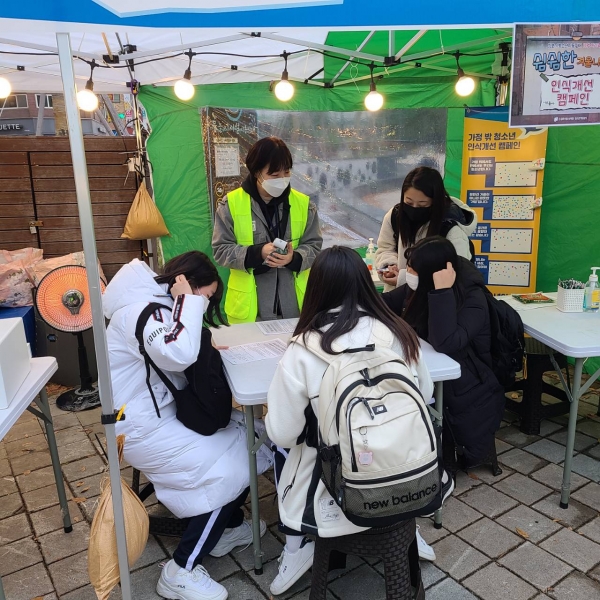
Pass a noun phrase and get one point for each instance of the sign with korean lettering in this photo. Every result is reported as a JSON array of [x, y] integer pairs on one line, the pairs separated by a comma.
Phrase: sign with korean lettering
[[502, 177], [556, 75]]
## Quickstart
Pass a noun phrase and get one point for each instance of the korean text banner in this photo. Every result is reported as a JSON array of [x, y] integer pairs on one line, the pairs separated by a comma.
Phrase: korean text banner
[[297, 13], [556, 75], [502, 177]]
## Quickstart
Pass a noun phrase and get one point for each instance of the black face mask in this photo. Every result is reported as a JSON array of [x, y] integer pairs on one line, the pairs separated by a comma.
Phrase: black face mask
[[417, 215]]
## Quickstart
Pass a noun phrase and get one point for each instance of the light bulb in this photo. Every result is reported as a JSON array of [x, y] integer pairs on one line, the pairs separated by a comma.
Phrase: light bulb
[[373, 100], [5, 87], [184, 89], [284, 90], [87, 100], [465, 85]]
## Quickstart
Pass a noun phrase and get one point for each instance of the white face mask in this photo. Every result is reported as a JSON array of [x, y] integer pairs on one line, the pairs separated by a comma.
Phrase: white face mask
[[412, 281], [275, 187]]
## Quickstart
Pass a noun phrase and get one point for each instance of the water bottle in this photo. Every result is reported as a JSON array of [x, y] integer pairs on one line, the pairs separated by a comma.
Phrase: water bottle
[[591, 296]]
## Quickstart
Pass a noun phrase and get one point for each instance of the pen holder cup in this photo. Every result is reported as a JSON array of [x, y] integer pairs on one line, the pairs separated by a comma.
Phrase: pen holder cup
[[569, 300]]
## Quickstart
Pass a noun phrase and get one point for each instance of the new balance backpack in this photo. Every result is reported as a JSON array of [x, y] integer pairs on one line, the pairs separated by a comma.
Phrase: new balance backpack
[[204, 406], [376, 442]]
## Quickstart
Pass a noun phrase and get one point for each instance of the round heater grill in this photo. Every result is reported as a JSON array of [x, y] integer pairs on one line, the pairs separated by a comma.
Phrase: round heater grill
[[62, 299]]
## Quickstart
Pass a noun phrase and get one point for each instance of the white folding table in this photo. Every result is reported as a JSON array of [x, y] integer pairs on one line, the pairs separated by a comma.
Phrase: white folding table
[[250, 383], [573, 334], [41, 370]]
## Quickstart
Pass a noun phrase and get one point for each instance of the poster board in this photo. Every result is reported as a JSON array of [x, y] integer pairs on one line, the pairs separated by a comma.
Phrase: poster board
[[556, 75], [228, 134], [502, 179]]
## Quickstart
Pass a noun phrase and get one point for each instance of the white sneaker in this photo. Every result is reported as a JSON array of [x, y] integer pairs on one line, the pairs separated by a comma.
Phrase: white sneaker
[[239, 536], [293, 566], [189, 585], [426, 552]]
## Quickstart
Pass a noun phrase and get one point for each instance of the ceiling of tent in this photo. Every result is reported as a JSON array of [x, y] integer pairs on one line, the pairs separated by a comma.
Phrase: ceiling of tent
[[218, 49]]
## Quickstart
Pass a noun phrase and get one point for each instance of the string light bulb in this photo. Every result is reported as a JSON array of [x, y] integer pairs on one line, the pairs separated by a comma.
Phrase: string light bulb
[[284, 90], [184, 88], [465, 85], [5, 88], [86, 99], [373, 100]]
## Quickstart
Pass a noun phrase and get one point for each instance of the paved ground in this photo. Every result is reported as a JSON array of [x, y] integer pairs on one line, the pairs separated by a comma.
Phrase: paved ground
[[504, 538]]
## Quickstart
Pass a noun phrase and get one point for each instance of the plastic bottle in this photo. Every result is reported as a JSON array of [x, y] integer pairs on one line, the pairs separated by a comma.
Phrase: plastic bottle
[[591, 297], [370, 255]]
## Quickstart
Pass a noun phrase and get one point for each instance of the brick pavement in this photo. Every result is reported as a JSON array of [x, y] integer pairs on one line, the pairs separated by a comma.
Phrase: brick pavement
[[504, 538]]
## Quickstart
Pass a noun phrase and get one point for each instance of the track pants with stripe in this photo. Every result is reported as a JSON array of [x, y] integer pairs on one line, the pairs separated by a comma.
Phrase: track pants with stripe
[[204, 531]]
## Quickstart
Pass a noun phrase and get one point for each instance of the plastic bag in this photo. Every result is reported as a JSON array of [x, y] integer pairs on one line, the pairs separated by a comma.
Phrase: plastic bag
[[27, 255], [144, 220], [15, 286], [37, 271], [103, 562]]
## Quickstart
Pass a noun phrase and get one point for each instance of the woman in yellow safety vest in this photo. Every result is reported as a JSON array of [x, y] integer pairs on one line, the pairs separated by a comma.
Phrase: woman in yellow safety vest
[[263, 283]]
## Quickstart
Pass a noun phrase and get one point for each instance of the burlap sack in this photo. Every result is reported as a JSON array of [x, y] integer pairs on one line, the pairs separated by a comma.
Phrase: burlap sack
[[15, 286], [144, 220], [103, 562]]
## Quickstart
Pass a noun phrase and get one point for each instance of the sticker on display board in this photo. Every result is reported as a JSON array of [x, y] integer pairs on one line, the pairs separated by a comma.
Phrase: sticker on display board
[[330, 511], [365, 458]]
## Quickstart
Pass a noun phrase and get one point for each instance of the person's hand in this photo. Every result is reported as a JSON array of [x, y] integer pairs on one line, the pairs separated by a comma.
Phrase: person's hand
[[266, 250], [276, 260], [218, 347], [390, 276], [445, 278], [181, 286]]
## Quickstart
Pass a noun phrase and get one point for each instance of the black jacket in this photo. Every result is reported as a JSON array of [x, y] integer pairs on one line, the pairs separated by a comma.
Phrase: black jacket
[[473, 404]]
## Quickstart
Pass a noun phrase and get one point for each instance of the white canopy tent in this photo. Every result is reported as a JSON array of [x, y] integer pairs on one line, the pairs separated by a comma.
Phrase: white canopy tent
[[51, 37]]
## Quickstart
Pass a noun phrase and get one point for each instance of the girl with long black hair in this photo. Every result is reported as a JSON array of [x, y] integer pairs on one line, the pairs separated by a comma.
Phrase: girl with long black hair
[[342, 307], [443, 300], [425, 209]]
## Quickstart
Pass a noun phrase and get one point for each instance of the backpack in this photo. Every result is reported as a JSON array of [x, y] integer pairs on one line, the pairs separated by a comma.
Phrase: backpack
[[508, 339], [376, 443], [447, 225], [204, 406]]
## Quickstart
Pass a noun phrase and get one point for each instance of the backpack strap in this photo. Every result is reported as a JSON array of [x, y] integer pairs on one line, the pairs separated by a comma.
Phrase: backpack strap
[[139, 336]]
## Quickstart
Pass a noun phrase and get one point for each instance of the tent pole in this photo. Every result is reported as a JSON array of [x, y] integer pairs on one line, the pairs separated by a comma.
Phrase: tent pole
[[86, 222]]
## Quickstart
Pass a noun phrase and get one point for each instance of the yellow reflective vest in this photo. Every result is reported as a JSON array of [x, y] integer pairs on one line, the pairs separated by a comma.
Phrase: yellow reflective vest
[[241, 300]]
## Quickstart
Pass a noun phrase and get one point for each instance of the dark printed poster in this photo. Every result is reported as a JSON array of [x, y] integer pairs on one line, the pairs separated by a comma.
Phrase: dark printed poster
[[227, 134], [556, 75]]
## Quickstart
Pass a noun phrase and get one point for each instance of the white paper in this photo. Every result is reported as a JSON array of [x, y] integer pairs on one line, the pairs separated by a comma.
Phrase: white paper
[[247, 353], [277, 327], [227, 160]]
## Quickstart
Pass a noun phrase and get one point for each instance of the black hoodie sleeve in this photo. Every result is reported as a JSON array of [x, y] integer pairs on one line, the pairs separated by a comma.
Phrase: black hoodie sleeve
[[396, 299], [254, 258]]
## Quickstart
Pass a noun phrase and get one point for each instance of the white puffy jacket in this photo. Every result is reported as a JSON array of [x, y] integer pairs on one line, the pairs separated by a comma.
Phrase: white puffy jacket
[[304, 502], [192, 474]]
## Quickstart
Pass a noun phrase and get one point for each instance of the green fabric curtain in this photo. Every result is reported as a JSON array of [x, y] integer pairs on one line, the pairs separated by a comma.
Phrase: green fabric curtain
[[571, 210]]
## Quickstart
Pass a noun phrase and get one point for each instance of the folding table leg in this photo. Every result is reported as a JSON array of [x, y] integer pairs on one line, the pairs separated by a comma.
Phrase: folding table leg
[[575, 392], [258, 566], [439, 407], [60, 484]]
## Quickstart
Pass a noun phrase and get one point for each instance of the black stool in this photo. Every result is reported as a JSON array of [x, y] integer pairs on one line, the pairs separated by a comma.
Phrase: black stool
[[395, 545], [530, 409], [171, 526]]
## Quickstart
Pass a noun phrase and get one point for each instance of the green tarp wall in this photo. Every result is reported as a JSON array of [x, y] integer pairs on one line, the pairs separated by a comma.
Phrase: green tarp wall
[[570, 225]]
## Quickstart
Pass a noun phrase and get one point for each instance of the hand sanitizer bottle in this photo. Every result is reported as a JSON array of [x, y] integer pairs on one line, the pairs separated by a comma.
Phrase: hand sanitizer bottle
[[370, 255], [591, 297]]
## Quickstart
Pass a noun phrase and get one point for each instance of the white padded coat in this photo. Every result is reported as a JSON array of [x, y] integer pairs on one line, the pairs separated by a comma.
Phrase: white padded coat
[[192, 474]]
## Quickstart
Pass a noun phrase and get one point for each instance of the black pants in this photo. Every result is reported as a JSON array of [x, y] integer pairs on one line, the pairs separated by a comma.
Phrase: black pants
[[280, 455], [204, 531]]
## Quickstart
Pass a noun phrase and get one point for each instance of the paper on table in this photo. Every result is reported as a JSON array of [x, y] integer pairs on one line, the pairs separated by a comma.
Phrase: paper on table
[[246, 353], [278, 326]]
